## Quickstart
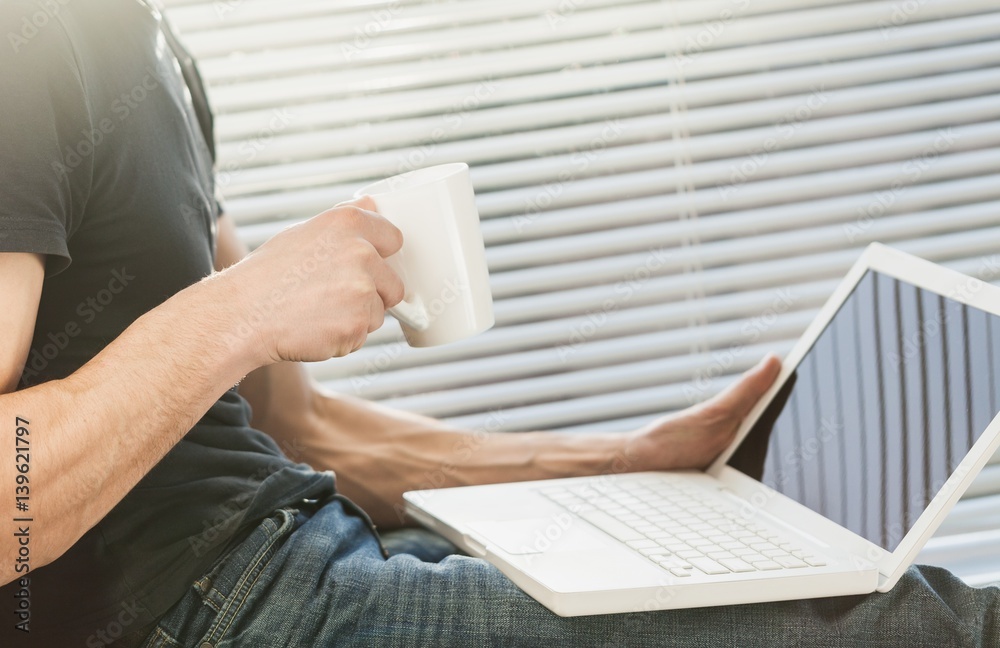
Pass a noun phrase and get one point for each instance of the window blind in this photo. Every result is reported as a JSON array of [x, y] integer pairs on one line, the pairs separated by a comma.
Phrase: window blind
[[668, 189]]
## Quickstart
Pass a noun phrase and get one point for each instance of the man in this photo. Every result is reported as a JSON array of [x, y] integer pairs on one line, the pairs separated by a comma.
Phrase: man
[[147, 505]]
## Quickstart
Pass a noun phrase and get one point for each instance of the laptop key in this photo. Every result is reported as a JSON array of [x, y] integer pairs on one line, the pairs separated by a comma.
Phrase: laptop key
[[672, 561], [611, 526], [789, 562], [736, 565], [655, 551], [719, 555], [674, 546], [814, 561], [681, 572], [766, 565], [708, 566]]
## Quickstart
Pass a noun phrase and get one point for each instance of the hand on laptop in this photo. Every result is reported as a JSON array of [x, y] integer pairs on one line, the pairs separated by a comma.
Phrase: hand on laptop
[[694, 437]]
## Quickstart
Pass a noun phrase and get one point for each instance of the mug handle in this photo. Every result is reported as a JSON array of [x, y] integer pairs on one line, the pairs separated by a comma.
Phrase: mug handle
[[412, 314]]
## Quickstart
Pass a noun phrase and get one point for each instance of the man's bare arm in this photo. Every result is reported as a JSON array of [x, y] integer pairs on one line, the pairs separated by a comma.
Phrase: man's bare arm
[[20, 289], [93, 435], [379, 453]]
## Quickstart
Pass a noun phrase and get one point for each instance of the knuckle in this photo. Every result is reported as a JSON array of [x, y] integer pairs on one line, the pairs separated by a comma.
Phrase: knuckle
[[352, 334], [364, 253], [348, 216], [362, 289], [397, 291], [377, 321], [359, 332]]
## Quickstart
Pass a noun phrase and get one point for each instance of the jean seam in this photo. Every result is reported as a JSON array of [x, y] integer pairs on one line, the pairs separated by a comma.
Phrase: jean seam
[[160, 639], [237, 598], [208, 592], [208, 600], [204, 585]]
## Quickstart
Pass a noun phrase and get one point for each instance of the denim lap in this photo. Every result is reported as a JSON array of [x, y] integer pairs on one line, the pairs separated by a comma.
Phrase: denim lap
[[328, 583]]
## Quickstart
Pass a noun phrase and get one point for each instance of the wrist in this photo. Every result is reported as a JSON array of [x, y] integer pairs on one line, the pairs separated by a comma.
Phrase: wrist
[[243, 319], [630, 454], [212, 312]]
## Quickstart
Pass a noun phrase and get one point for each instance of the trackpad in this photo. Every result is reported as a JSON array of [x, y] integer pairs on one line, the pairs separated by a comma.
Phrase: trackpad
[[534, 535]]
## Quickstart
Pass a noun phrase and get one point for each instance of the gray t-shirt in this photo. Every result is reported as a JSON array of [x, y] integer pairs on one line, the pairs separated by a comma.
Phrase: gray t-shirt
[[106, 168]]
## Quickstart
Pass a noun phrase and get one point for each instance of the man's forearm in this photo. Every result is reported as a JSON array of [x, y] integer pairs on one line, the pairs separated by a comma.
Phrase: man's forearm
[[379, 453], [95, 434], [393, 452]]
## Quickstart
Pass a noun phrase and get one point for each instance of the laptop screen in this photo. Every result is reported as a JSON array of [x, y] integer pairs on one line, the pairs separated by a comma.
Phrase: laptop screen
[[881, 410]]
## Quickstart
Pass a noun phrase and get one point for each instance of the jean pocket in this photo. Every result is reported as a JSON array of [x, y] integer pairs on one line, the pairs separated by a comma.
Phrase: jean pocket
[[351, 508], [160, 639], [224, 589]]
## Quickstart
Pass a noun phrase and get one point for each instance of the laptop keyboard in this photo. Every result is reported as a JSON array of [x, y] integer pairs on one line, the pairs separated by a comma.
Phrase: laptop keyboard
[[680, 528]]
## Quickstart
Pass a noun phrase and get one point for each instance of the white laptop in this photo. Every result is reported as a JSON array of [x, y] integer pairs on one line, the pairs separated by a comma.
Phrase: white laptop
[[883, 414]]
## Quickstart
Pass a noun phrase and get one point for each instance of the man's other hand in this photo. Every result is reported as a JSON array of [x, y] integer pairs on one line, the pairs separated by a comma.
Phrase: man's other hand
[[694, 437]]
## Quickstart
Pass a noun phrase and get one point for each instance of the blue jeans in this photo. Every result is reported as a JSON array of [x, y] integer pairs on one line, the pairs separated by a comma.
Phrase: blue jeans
[[322, 579]]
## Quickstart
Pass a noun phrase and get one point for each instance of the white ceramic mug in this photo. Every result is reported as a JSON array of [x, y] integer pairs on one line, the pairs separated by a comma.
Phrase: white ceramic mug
[[443, 261]]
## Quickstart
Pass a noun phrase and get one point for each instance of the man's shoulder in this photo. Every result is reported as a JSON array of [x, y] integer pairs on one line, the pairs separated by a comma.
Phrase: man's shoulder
[[34, 34]]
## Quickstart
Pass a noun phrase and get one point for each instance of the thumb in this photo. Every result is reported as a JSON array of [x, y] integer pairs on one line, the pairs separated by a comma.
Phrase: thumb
[[740, 397], [365, 202]]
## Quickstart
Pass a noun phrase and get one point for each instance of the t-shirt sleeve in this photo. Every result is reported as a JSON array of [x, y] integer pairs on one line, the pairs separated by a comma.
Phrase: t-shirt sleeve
[[46, 142]]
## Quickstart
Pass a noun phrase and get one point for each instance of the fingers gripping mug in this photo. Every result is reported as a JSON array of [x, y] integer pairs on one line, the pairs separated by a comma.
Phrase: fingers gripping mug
[[443, 260]]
